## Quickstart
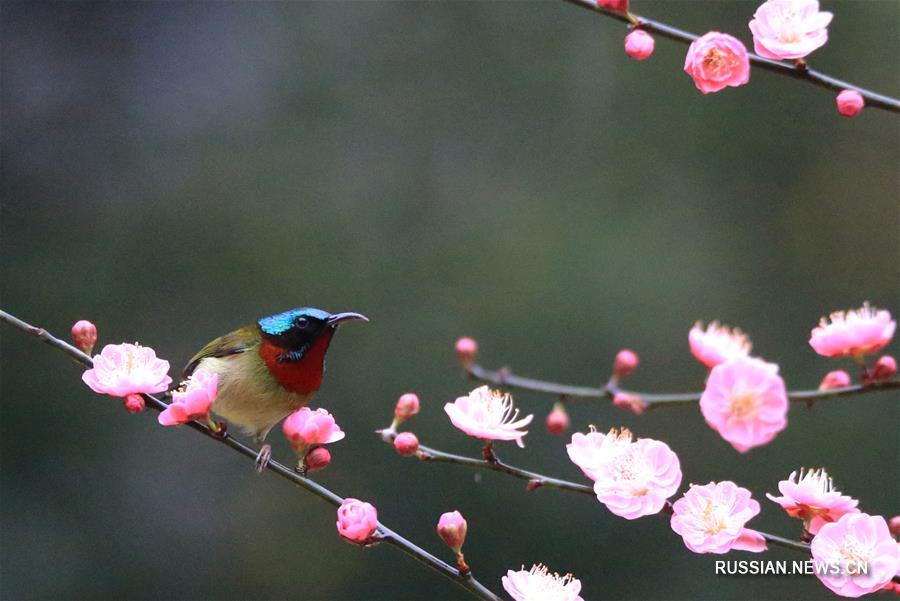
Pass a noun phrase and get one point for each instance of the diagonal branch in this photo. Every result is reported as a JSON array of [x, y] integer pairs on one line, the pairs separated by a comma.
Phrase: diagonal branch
[[506, 379], [816, 78], [384, 534]]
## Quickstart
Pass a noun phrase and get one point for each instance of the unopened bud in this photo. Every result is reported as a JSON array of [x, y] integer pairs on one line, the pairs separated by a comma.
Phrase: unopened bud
[[466, 350], [885, 368], [84, 335], [629, 402], [557, 420], [626, 362], [639, 45], [317, 459], [134, 403], [835, 379], [406, 444], [407, 406], [894, 525], [850, 103], [452, 528]]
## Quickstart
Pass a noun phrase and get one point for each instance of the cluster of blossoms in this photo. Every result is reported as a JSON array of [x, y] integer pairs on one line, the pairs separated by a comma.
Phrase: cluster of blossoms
[[781, 29]]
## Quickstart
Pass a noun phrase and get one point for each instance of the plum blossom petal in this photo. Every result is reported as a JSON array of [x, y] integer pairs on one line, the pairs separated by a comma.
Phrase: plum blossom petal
[[711, 518], [193, 401], [717, 343], [632, 478], [539, 584], [862, 546], [489, 415], [123, 369], [745, 401], [813, 499], [305, 427], [789, 29], [853, 333]]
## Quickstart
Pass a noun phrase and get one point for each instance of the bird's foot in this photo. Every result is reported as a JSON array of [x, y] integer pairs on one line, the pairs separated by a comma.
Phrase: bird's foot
[[262, 459]]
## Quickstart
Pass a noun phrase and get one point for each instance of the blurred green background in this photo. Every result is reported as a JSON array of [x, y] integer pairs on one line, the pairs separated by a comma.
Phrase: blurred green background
[[174, 170]]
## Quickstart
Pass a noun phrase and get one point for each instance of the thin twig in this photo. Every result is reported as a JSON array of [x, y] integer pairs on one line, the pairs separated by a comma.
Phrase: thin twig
[[536, 480], [506, 379], [384, 534], [873, 99]]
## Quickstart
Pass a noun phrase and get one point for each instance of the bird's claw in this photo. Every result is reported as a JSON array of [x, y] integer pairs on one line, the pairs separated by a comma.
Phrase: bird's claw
[[262, 459]]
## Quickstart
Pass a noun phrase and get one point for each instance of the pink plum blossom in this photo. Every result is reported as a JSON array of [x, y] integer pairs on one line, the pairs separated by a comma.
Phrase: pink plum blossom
[[305, 427], [788, 29], [123, 369], [489, 415], [539, 584], [863, 547], [406, 407], [632, 478], [134, 403], [356, 521], [639, 45], [746, 402], [466, 350], [850, 103], [717, 343], [629, 402], [853, 333], [711, 519], [813, 499], [557, 420], [193, 401], [716, 61], [835, 379], [884, 368], [625, 363], [317, 459]]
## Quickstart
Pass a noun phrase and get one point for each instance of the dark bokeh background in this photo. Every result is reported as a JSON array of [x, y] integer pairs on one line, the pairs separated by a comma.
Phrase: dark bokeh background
[[501, 170]]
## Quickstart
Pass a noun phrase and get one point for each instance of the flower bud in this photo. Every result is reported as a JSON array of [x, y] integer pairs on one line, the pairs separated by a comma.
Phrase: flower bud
[[557, 420], [406, 444], [617, 5], [317, 459], [629, 402], [894, 525], [466, 350], [835, 379], [134, 403], [885, 368], [626, 362], [356, 521], [639, 45], [850, 103], [407, 406], [84, 335], [452, 528]]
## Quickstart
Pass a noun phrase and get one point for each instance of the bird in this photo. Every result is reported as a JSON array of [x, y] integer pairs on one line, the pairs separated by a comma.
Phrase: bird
[[269, 369]]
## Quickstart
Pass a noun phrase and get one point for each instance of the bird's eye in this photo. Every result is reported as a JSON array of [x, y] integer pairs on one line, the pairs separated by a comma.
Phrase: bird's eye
[[302, 323]]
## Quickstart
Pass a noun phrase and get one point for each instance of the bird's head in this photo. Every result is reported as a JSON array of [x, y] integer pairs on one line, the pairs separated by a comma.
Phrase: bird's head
[[298, 330]]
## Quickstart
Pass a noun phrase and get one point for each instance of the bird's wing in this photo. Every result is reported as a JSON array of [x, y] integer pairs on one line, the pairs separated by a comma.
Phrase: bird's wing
[[232, 343]]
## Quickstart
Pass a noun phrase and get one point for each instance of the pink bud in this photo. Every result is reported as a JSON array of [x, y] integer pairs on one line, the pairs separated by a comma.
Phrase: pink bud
[[466, 349], [317, 459], [357, 521], [617, 5], [835, 379], [850, 103], [452, 528], [885, 368], [629, 402], [557, 420], [407, 406], [134, 403], [406, 444], [626, 362], [894, 525], [639, 45], [84, 335]]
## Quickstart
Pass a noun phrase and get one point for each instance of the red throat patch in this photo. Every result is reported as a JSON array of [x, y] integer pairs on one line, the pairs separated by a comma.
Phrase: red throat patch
[[303, 376]]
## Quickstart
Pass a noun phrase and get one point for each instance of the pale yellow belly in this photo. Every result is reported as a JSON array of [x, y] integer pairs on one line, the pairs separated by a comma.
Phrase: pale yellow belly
[[248, 396]]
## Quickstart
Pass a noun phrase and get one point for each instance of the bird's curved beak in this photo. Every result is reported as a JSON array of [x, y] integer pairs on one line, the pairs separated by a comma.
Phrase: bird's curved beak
[[339, 317]]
